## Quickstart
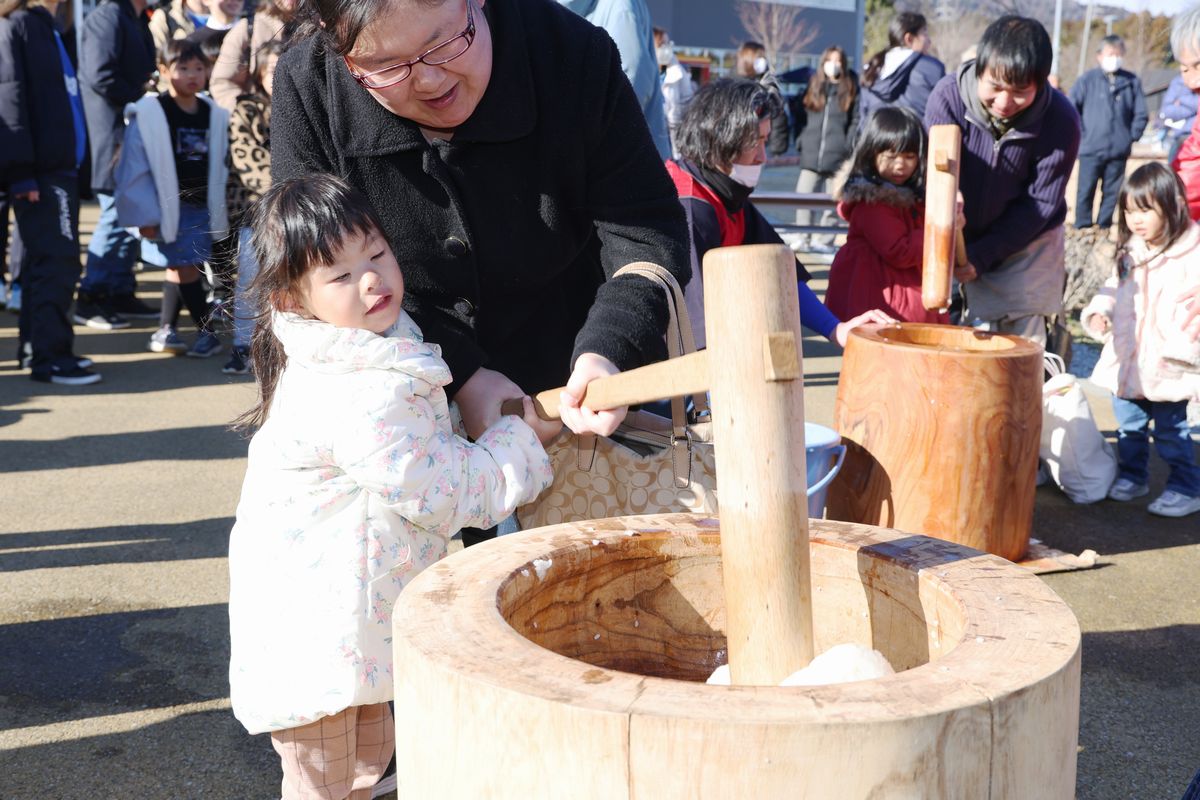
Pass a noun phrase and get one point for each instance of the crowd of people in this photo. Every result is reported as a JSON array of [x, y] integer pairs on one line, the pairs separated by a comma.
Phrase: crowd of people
[[402, 224]]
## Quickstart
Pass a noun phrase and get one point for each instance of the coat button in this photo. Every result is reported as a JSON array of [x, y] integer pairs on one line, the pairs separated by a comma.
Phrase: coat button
[[464, 307], [456, 247]]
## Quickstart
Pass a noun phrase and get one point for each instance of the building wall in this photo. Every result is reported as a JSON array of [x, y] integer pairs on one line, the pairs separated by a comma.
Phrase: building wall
[[714, 24]]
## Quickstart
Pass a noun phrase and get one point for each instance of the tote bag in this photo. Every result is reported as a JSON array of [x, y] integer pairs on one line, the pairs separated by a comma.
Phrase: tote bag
[[651, 464], [1080, 460]]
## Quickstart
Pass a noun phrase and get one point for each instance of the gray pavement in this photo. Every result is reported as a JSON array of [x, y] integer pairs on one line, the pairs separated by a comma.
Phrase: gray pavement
[[115, 507]]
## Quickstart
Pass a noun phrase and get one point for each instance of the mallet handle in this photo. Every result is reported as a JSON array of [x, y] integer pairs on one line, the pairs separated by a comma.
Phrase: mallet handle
[[674, 377], [941, 194]]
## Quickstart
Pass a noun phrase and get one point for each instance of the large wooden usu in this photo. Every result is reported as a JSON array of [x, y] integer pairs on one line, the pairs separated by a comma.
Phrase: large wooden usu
[[569, 661]]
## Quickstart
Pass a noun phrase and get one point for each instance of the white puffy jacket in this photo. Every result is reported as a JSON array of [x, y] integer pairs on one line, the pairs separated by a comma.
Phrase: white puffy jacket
[[354, 484]]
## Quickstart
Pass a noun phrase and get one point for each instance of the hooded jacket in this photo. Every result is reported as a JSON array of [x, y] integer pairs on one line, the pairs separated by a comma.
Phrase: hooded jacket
[[115, 62], [1014, 187], [37, 126], [508, 231], [1112, 114], [1146, 353], [908, 85], [879, 266], [354, 484]]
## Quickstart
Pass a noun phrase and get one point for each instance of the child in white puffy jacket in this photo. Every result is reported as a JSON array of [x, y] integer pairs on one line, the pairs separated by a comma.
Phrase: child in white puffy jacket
[[354, 484], [1149, 362]]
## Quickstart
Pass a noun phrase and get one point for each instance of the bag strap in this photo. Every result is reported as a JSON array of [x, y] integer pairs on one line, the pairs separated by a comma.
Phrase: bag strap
[[680, 341]]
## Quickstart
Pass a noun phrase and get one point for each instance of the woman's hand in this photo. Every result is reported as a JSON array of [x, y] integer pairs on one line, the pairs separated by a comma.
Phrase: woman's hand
[[149, 231], [33, 195], [547, 430], [872, 317], [588, 367], [966, 273], [480, 397]]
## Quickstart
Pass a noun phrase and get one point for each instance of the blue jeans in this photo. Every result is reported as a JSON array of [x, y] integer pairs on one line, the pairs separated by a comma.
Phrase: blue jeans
[[111, 254], [245, 314], [1091, 171], [1171, 440]]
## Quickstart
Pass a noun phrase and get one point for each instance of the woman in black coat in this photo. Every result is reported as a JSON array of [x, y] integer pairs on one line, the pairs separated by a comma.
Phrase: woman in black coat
[[514, 173], [828, 118]]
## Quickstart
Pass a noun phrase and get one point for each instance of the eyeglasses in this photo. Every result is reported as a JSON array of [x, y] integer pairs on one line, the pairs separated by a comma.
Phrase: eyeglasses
[[435, 56]]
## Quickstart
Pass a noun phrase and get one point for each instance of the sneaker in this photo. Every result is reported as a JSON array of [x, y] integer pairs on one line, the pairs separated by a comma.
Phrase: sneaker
[[1173, 504], [80, 361], [167, 340], [13, 302], [206, 344], [130, 306], [67, 377], [1124, 489], [238, 363], [90, 311], [822, 249]]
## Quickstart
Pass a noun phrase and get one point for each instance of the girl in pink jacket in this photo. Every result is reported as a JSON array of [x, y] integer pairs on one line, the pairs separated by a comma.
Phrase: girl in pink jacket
[[1149, 363]]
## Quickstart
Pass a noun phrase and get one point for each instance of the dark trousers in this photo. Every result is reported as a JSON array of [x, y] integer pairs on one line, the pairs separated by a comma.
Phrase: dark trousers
[[1093, 170], [50, 268]]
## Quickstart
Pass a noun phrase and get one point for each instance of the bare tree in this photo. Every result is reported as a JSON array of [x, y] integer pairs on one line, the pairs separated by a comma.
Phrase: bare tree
[[780, 28]]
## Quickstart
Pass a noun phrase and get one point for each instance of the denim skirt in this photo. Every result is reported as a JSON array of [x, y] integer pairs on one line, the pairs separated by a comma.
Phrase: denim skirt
[[192, 245]]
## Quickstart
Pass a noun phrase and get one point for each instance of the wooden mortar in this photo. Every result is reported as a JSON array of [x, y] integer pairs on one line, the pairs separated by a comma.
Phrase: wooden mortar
[[942, 426], [569, 661]]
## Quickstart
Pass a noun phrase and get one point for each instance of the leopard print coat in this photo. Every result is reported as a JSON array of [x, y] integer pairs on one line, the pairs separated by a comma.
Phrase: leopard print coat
[[249, 154]]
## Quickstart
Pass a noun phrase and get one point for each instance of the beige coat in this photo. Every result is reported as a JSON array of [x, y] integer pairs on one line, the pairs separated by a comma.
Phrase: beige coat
[[232, 75], [1146, 353], [167, 23]]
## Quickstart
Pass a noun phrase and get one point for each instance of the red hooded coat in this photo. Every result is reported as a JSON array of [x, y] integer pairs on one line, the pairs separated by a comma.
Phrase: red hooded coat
[[880, 264]]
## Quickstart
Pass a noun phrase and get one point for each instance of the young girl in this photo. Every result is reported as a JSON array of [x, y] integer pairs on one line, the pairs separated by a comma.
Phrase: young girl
[[250, 158], [1149, 363], [355, 483], [883, 200], [171, 187]]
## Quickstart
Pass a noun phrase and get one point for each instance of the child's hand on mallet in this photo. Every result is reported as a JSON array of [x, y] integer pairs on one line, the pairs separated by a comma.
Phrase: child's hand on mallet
[[547, 430]]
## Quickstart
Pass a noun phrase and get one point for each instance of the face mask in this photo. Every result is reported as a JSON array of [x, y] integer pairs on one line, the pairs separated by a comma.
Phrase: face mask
[[760, 66], [1110, 64], [746, 174], [833, 70]]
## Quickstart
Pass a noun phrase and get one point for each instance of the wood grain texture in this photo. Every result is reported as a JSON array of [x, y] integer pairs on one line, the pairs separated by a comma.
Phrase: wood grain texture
[[941, 193], [758, 432], [582, 679], [942, 426]]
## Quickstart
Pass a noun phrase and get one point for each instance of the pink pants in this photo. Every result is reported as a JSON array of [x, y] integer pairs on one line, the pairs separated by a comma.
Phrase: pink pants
[[338, 757]]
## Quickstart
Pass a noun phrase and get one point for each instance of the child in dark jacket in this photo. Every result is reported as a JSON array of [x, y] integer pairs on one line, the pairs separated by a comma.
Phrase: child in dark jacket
[[171, 186], [883, 200], [42, 144]]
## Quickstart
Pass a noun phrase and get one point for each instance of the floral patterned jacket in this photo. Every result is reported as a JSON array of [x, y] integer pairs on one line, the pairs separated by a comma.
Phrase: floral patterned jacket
[[353, 485]]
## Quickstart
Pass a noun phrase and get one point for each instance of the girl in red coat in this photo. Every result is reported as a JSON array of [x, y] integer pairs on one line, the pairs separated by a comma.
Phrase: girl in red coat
[[880, 264]]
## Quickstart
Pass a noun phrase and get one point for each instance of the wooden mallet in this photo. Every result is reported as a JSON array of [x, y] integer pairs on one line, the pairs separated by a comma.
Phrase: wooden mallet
[[944, 244]]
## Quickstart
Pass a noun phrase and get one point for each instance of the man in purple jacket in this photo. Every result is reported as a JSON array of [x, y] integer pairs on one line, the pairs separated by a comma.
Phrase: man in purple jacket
[[1020, 137]]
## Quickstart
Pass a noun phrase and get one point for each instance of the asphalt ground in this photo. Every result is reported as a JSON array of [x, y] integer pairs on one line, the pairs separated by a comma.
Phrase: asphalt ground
[[115, 506]]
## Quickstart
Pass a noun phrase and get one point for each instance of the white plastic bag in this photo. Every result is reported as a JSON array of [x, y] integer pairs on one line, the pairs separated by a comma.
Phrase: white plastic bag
[[1080, 461]]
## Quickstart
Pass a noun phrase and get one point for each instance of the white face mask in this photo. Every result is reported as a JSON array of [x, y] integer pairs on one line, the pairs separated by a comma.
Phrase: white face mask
[[833, 70], [1110, 64], [760, 66], [746, 174]]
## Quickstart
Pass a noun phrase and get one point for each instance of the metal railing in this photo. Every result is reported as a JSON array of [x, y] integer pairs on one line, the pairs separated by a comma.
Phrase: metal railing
[[815, 201]]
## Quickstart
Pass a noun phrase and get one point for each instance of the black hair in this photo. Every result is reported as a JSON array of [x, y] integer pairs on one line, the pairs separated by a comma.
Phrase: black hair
[[177, 51], [297, 225], [722, 120], [1111, 41], [340, 22], [890, 129], [1017, 51], [1154, 187], [903, 24]]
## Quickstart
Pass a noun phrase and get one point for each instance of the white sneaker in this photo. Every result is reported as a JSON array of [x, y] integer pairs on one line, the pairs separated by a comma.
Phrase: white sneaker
[[1124, 489], [1173, 504]]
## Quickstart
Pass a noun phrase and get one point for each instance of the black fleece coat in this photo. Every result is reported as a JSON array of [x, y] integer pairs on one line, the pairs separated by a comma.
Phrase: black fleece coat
[[506, 234], [826, 137], [115, 62], [37, 132]]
